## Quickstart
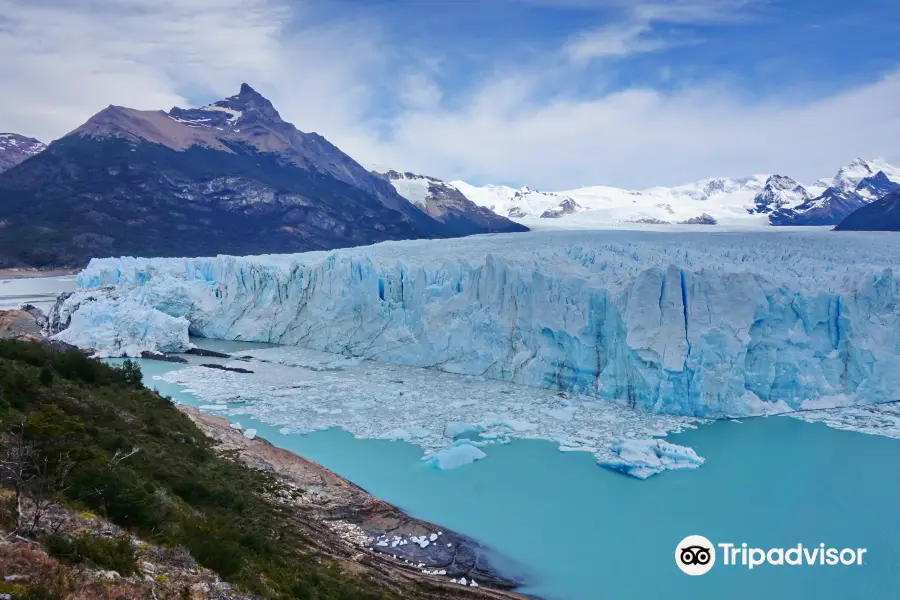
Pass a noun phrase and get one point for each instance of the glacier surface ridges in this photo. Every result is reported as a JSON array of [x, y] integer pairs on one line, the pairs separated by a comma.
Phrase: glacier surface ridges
[[699, 324]]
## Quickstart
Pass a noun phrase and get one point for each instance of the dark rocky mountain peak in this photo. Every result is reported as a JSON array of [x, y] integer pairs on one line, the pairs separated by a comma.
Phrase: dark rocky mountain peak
[[230, 177], [245, 107], [15, 148], [876, 186]]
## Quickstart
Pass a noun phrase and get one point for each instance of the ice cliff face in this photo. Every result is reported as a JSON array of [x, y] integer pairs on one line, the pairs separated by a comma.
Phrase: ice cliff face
[[679, 323]]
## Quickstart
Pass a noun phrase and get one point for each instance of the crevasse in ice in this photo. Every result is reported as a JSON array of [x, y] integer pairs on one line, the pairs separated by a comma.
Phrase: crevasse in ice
[[702, 324]]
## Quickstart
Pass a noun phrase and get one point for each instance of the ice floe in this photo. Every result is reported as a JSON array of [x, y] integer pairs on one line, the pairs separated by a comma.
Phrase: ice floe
[[456, 455], [643, 458], [289, 389], [875, 419]]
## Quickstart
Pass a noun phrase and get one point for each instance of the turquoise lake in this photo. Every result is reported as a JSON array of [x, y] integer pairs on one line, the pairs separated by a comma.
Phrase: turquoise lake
[[580, 532]]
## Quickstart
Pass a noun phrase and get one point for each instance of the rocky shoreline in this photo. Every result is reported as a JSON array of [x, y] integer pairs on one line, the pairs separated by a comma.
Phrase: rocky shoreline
[[361, 528]]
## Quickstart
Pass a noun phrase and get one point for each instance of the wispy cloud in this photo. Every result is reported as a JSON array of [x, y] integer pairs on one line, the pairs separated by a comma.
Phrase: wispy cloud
[[614, 41], [632, 29]]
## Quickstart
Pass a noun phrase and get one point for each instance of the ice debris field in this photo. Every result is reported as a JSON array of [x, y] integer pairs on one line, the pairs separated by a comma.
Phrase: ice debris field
[[697, 324], [451, 416]]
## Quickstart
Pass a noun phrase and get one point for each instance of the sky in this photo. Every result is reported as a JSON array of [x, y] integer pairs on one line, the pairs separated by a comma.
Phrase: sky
[[553, 94]]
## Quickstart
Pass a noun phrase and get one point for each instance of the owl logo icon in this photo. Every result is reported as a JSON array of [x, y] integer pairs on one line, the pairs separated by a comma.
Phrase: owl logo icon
[[695, 555]]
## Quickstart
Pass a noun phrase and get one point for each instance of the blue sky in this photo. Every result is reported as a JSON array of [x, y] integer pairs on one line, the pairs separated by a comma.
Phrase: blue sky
[[548, 93]]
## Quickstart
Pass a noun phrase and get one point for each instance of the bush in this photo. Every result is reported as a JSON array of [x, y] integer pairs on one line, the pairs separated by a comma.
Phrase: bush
[[110, 554], [131, 372]]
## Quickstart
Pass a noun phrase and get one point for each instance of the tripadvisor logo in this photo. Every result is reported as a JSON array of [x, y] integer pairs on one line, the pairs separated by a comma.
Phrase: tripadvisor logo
[[696, 555]]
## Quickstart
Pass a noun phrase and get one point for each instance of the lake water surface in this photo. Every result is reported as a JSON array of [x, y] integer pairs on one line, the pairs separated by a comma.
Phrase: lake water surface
[[583, 533]]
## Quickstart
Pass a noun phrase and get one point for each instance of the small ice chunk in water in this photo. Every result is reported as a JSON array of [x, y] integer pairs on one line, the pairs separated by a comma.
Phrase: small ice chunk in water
[[250, 434], [235, 425], [643, 458], [455, 456]]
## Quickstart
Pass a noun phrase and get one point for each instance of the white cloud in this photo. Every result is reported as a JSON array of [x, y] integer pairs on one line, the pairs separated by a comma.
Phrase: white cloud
[[65, 61], [634, 32], [613, 41], [640, 137]]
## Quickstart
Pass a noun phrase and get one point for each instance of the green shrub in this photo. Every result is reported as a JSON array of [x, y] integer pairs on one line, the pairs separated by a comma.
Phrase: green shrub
[[110, 554], [131, 373]]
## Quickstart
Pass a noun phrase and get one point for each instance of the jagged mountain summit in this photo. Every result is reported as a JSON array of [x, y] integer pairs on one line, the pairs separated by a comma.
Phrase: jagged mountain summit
[[856, 185], [881, 215], [445, 203], [231, 177], [779, 192], [15, 148], [756, 200]]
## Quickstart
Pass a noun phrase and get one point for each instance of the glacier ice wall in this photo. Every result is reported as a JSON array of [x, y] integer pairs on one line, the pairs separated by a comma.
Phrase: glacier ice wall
[[701, 324]]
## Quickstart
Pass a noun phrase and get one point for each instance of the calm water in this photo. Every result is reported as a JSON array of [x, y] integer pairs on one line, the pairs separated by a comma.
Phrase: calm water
[[38, 291], [585, 533]]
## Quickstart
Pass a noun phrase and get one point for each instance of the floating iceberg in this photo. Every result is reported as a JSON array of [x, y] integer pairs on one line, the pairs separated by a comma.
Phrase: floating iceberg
[[700, 324], [456, 455], [643, 458]]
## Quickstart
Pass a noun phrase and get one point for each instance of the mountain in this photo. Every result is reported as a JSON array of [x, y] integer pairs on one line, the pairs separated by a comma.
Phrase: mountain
[[231, 177], [517, 203], [855, 186], [714, 199], [15, 148], [757, 200], [881, 215], [779, 192], [444, 203]]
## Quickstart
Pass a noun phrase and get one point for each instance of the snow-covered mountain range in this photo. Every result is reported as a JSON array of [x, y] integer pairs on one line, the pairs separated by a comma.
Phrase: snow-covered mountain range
[[15, 148], [754, 200], [445, 203]]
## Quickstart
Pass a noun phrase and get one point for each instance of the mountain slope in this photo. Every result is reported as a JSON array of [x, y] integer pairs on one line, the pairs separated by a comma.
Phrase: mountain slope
[[231, 177], [15, 148], [881, 215], [446, 204]]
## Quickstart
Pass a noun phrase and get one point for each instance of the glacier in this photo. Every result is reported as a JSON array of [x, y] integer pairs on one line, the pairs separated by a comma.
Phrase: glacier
[[699, 324]]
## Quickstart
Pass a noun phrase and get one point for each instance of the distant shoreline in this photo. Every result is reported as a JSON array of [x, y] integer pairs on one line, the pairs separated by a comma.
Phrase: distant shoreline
[[31, 272]]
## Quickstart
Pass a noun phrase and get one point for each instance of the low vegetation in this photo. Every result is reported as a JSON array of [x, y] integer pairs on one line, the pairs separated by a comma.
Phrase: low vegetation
[[77, 431]]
